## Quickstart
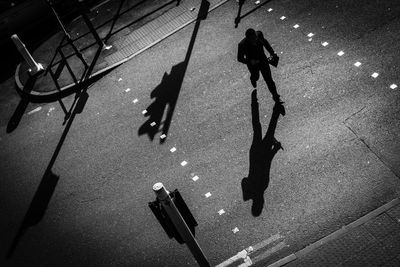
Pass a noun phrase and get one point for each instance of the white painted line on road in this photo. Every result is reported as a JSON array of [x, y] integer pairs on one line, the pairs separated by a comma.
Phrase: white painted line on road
[[144, 112], [375, 74], [127, 90], [183, 163], [208, 194], [270, 9], [257, 2], [393, 86], [357, 64], [325, 43], [153, 124], [163, 136], [35, 110], [195, 178], [50, 110], [269, 252], [283, 17], [221, 211], [135, 100], [266, 242], [120, 79], [235, 230], [310, 34], [173, 149], [341, 53], [296, 26], [240, 255]]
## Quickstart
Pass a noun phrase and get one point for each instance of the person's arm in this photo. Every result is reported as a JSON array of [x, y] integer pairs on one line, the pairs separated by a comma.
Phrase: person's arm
[[240, 56], [266, 44]]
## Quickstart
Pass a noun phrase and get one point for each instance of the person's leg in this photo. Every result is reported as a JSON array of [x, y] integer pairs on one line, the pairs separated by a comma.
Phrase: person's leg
[[266, 73], [254, 74]]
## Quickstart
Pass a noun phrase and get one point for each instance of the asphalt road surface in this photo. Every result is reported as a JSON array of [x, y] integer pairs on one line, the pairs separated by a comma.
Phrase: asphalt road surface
[[339, 135]]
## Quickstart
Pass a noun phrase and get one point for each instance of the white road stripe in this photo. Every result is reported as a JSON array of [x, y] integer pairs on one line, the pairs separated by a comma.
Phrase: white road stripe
[[269, 252], [35, 110], [393, 86]]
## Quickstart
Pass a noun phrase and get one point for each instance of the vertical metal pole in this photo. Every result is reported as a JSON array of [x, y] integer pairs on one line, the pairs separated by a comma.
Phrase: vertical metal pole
[[33, 65], [180, 224]]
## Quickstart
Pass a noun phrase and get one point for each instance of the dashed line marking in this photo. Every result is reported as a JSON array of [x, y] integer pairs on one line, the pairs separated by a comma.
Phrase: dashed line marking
[[270, 9], [221, 211], [144, 112], [183, 163], [325, 43], [195, 178], [173, 149], [393, 86], [120, 79], [357, 64], [341, 53], [257, 2], [296, 26], [34, 110], [127, 90], [153, 124], [310, 34], [163, 136], [283, 17], [208, 194], [235, 230], [374, 75], [135, 100]]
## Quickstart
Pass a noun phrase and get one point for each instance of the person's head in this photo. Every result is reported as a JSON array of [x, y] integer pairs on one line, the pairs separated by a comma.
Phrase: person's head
[[251, 35]]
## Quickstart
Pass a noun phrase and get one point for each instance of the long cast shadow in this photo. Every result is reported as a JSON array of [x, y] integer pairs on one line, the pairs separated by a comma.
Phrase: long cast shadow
[[166, 94], [48, 183], [239, 16], [261, 154]]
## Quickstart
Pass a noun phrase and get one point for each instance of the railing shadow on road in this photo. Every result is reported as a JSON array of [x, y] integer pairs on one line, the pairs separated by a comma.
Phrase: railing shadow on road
[[239, 16], [48, 183], [262, 152], [166, 94]]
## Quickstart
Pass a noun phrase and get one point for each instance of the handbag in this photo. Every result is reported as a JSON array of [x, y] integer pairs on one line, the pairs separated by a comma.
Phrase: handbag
[[273, 60]]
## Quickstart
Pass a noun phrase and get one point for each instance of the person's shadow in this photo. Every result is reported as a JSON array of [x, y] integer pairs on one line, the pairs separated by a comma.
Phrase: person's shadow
[[262, 152]]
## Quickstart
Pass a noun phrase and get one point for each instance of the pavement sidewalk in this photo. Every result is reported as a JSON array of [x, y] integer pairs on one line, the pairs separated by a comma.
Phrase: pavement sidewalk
[[139, 26], [372, 240]]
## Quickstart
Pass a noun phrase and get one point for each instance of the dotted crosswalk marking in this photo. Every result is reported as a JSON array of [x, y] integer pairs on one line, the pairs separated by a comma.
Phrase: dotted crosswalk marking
[[144, 112], [270, 9], [375, 74], [283, 17], [120, 79], [153, 124], [163, 136], [357, 64], [195, 178], [296, 26], [183, 163], [235, 230], [393, 86], [257, 2], [127, 90], [309, 39], [135, 100], [221, 211], [173, 149], [208, 194], [310, 34], [325, 43], [340, 53]]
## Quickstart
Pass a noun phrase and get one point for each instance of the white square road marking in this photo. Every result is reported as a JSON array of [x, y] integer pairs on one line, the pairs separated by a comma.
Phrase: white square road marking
[[183, 163], [296, 26], [220, 212], [173, 149], [195, 178], [270, 9], [120, 79], [163, 136], [144, 112], [357, 64], [153, 124], [325, 43], [235, 230], [393, 86], [375, 74], [135, 100], [127, 90], [257, 2], [310, 34], [283, 17], [341, 53], [208, 194]]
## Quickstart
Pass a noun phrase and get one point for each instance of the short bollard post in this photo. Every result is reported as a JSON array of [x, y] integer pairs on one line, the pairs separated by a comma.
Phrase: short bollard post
[[34, 67], [179, 223]]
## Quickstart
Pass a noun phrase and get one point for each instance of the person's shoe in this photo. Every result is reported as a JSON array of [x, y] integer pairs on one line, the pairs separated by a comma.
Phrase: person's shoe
[[278, 100], [254, 83]]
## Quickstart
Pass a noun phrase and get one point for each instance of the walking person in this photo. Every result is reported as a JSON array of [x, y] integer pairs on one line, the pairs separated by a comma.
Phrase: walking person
[[251, 53]]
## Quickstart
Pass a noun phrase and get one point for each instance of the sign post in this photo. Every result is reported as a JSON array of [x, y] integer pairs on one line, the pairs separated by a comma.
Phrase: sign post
[[180, 225]]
